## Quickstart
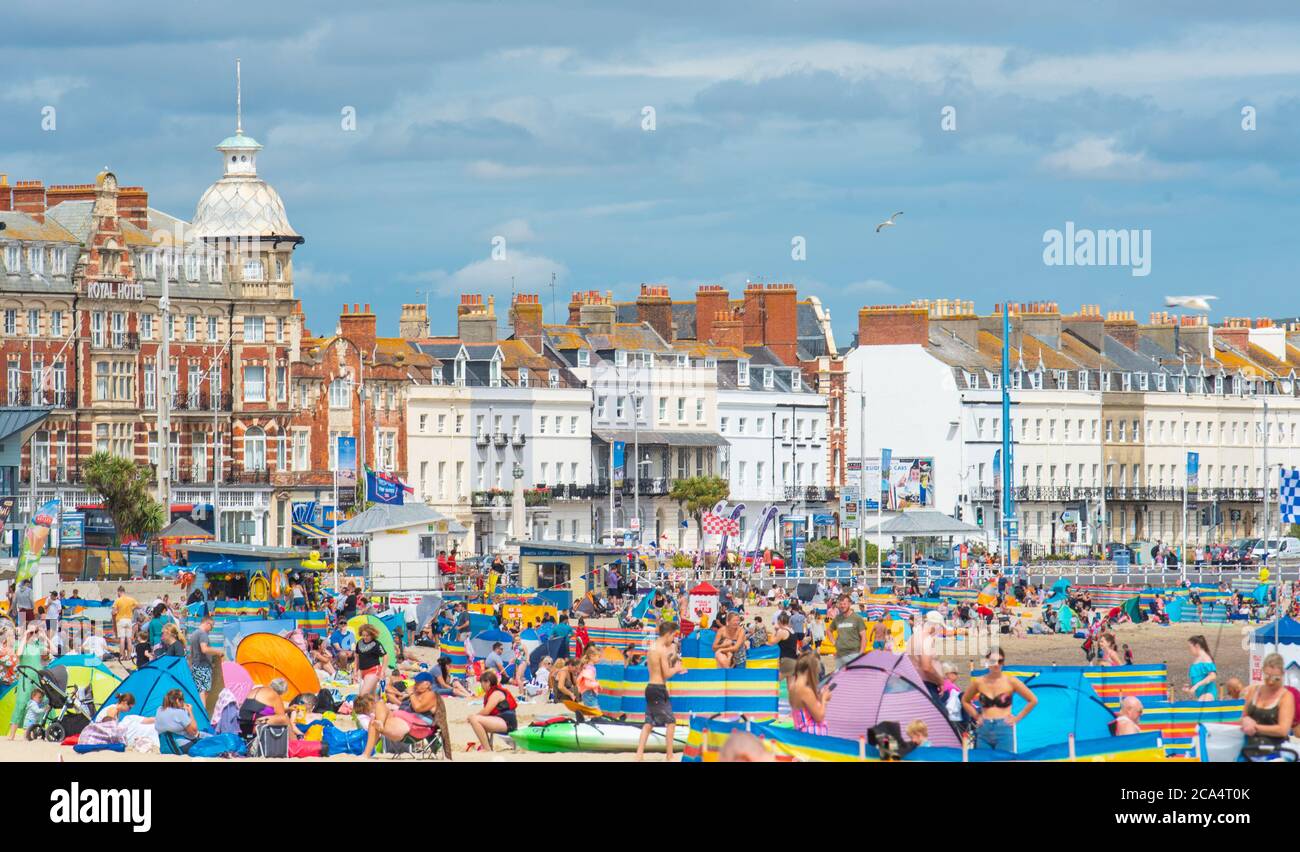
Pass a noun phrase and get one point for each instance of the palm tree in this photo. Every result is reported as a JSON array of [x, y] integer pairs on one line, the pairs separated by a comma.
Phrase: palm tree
[[124, 487]]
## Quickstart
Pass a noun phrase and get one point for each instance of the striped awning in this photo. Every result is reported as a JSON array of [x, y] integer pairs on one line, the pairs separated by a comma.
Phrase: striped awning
[[310, 531]]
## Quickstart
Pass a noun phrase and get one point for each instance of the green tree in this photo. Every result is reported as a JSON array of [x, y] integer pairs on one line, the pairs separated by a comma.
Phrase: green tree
[[698, 495], [124, 487]]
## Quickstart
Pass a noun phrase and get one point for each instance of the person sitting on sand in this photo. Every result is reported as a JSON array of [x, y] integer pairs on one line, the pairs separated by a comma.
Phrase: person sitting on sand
[[565, 684], [445, 684], [540, 684], [1126, 723], [918, 733], [730, 645], [744, 747], [264, 705], [498, 713], [1233, 688], [417, 714]]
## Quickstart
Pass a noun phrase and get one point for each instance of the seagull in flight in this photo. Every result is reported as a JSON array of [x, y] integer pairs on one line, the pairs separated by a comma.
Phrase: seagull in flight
[[1191, 303], [889, 223]]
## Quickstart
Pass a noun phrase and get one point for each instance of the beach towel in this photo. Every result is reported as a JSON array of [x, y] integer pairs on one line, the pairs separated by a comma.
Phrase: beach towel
[[81, 748], [219, 745]]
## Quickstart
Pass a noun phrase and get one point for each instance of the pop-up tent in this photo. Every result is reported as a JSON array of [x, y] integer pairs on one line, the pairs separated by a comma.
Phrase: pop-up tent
[[266, 656], [385, 635], [151, 684], [883, 687], [1277, 637], [1067, 704], [481, 644]]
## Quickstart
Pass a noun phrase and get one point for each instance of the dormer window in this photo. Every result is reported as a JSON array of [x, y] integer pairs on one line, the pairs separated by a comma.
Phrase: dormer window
[[252, 270], [216, 269], [1083, 380], [36, 260], [620, 358], [1180, 384], [494, 373], [683, 360], [553, 379], [742, 373], [59, 261], [995, 381], [459, 375], [710, 363], [794, 380], [1162, 382], [13, 259], [1036, 380], [1126, 381], [584, 357], [1063, 379], [768, 378], [1143, 381], [1017, 380], [971, 380], [523, 377], [148, 266], [1105, 380]]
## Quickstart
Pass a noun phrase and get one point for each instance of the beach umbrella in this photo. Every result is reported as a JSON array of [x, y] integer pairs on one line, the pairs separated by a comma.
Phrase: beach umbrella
[[151, 683], [385, 635], [237, 679], [266, 656]]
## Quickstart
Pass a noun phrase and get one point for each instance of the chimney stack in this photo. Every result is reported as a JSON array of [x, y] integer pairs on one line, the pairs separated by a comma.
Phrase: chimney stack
[[728, 328], [771, 319], [655, 306], [1088, 325], [955, 316], [476, 322], [29, 198], [358, 327], [526, 319], [1123, 327], [710, 300], [597, 311], [414, 323], [6, 194], [133, 206], [893, 325]]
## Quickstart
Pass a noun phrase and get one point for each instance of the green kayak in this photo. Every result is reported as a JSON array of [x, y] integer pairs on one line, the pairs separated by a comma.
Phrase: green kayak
[[594, 735]]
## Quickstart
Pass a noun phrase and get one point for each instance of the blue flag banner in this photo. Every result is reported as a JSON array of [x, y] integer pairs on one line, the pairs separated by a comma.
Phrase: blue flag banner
[[1289, 495], [385, 488]]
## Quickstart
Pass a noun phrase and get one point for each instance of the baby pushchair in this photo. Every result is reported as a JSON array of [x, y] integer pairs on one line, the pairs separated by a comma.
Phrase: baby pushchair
[[71, 708]]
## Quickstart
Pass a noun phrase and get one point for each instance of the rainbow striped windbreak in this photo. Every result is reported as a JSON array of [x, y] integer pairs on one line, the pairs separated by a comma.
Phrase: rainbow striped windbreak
[[707, 737], [227, 609], [457, 659], [1112, 683], [1177, 722], [617, 637], [753, 691]]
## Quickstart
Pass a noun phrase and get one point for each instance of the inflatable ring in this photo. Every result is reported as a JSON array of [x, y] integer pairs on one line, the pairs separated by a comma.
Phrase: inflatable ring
[[277, 583], [258, 588]]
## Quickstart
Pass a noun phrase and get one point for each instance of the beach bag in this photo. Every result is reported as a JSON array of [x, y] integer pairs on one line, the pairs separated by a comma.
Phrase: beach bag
[[308, 748], [271, 741], [219, 745], [343, 742]]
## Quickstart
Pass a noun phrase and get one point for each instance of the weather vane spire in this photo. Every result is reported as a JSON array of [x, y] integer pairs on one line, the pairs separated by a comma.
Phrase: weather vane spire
[[239, 104]]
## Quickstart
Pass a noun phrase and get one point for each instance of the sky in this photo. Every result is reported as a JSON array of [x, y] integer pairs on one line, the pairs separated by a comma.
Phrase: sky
[[685, 143]]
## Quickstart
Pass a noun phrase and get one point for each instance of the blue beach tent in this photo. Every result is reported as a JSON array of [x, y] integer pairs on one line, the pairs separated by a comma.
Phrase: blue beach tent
[[151, 684]]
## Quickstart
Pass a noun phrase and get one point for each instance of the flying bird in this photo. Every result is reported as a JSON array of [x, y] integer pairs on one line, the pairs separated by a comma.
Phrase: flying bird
[[1191, 303], [889, 223]]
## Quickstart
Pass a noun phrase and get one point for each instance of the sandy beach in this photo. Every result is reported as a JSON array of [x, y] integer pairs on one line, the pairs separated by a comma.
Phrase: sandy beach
[[1149, 643]]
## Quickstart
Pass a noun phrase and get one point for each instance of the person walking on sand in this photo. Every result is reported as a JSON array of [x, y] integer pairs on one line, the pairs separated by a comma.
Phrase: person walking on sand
[[662, 665]]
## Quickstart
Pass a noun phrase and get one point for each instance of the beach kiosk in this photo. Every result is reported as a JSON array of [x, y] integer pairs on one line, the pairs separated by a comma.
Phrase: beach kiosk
[[402, 544], [703, 604], [250, 572], [562, 566]]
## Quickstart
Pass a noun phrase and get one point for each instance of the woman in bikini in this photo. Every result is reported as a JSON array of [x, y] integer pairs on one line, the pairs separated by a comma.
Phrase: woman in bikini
[[730, 646], [807, 701], [994, 689], [1110, 655]]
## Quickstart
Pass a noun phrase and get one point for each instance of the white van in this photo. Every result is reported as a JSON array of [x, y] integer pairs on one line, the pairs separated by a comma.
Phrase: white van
[[1287, 547]]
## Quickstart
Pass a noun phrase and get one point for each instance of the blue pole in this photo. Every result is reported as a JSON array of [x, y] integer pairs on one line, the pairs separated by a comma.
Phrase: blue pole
[[1008, 505]]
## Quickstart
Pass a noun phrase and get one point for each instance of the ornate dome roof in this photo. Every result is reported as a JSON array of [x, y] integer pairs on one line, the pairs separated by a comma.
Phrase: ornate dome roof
[[241, 204]]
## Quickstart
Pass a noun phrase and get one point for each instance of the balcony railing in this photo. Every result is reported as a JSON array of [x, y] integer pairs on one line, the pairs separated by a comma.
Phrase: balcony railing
[[811, 493], [239, 475], [1114, 493], [483, 439], [500, 439], [518, 440]]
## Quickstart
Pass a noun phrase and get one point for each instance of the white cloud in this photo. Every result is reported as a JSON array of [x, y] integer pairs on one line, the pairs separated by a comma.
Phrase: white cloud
[[1101, 157], [870, 287], [531, 273], [46, 90], [492, 170], [515, 231], [305, 275]]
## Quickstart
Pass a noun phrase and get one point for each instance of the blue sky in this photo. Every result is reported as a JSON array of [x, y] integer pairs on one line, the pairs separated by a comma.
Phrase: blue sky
[[772, 120]]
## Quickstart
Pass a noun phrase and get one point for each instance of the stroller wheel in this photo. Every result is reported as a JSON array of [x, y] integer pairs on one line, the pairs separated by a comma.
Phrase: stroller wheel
[[54, 732]]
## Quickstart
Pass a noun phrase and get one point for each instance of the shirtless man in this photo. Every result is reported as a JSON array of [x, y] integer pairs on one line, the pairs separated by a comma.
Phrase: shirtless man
[[880, 634], [662, 664], [922, 652], [730, 644], [1130, 710]]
